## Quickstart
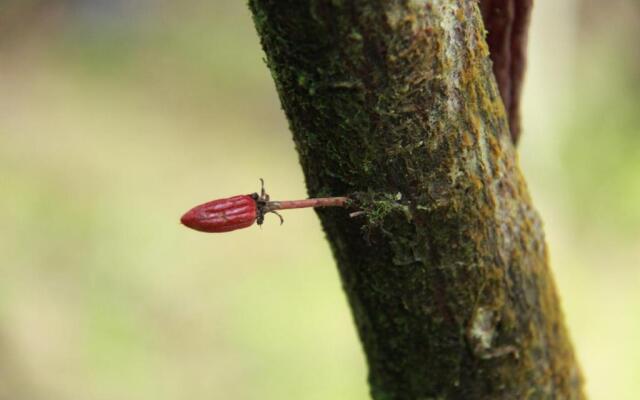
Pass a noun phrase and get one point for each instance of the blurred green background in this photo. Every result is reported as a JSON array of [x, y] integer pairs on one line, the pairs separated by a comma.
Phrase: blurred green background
[[117, 116]]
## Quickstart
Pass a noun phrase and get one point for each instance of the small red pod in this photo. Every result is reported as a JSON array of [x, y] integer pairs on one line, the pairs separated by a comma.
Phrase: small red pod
[[222, 215]]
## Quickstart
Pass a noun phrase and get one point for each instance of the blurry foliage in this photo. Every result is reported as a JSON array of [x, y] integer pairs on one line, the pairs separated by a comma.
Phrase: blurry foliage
[[602, 146], [603, 150]]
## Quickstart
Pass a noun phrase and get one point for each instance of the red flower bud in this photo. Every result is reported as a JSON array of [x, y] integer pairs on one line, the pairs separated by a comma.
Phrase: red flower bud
[[223, 215], [239, 212]]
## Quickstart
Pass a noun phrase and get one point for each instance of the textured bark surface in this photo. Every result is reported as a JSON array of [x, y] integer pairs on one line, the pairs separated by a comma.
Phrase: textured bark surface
[[507, 24], [394, 103]]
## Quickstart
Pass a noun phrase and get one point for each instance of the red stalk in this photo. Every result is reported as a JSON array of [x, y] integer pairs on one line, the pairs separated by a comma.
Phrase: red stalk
[[306, 203]]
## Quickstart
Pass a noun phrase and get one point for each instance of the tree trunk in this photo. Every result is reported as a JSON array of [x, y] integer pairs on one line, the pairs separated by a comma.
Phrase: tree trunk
[[394, 104]]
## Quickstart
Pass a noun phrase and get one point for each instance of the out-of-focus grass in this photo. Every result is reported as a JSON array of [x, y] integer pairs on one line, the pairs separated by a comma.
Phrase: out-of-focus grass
[[115, 119]]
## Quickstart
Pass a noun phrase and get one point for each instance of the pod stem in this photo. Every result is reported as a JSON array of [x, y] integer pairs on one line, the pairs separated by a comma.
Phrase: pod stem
[[306, 203]]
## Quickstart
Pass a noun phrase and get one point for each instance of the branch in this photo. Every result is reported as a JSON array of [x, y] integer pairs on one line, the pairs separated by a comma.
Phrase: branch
[[394, 104], [507, 23]]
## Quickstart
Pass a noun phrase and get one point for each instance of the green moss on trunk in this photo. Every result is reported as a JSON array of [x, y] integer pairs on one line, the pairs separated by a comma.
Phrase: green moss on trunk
[[446, 272]]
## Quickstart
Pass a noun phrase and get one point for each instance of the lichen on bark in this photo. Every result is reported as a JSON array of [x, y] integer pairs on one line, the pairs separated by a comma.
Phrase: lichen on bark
[[446, 272]]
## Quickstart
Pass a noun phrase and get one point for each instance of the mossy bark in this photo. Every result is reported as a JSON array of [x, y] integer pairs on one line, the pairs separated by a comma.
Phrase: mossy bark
[[394, 103]]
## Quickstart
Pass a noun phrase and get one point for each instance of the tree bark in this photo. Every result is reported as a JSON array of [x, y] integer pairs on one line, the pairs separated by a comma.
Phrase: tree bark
[[394, 104]]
